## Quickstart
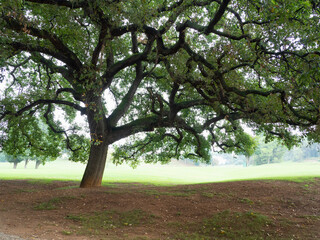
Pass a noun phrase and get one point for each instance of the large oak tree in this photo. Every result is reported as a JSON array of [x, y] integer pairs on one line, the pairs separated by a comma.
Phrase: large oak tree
[[174, 76]]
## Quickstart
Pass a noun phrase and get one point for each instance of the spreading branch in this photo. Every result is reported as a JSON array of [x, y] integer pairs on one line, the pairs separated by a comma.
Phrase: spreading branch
[[36, 103]]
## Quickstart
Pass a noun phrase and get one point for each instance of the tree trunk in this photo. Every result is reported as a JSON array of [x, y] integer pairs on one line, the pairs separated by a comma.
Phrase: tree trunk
[[247, 161], [37, 164], [26, 163], [94, 171], [15, 164], [93, 174]]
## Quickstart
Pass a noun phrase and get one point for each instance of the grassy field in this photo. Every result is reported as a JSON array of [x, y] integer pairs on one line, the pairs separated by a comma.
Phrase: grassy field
[[166, 174]]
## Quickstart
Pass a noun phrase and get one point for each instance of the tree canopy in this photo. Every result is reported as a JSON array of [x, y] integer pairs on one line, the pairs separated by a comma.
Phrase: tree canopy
[[177, 77]]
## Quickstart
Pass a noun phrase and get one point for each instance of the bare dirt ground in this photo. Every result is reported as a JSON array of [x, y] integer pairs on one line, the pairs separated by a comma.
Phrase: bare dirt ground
[[234, 210]]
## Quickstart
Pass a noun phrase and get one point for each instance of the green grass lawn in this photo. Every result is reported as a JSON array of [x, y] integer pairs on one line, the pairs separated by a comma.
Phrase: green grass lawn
[[166, 174]]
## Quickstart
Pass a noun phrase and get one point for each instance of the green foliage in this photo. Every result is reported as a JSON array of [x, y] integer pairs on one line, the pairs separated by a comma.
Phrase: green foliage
[[268, 152], [15, 159], [304, 151], [163, 148], [27, 138], [3, 157]]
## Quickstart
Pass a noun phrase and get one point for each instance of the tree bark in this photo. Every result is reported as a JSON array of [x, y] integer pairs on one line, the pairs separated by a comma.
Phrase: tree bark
[[96, 164], [93, 174]]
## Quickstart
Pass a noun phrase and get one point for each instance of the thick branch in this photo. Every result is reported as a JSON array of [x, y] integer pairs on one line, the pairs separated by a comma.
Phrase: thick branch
[[101, 44], [217, 16], [115, 68], [228, 116], [146, 124], [197, 57], [203, 29], [23, 27], [44, 101], [191, 103], [125, 103], [69, 90], [133, 59], [28, 47], [67, 74], [123, 107], [245, 93]]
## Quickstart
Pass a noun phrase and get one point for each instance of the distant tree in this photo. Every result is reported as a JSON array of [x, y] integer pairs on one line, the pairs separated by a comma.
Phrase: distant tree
[[184, 75], [214, 160], [243, 145], [311, 150], [40, 145], [15, 159], [226, 158], [249, 147], [3, 157], [26, 161], [303, 151], [38, 163], [295, 154], [268, 152]]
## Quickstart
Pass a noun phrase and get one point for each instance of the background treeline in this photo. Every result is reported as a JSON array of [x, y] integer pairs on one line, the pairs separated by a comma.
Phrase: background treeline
[[263, 153], [270, 152], [25, 159]]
